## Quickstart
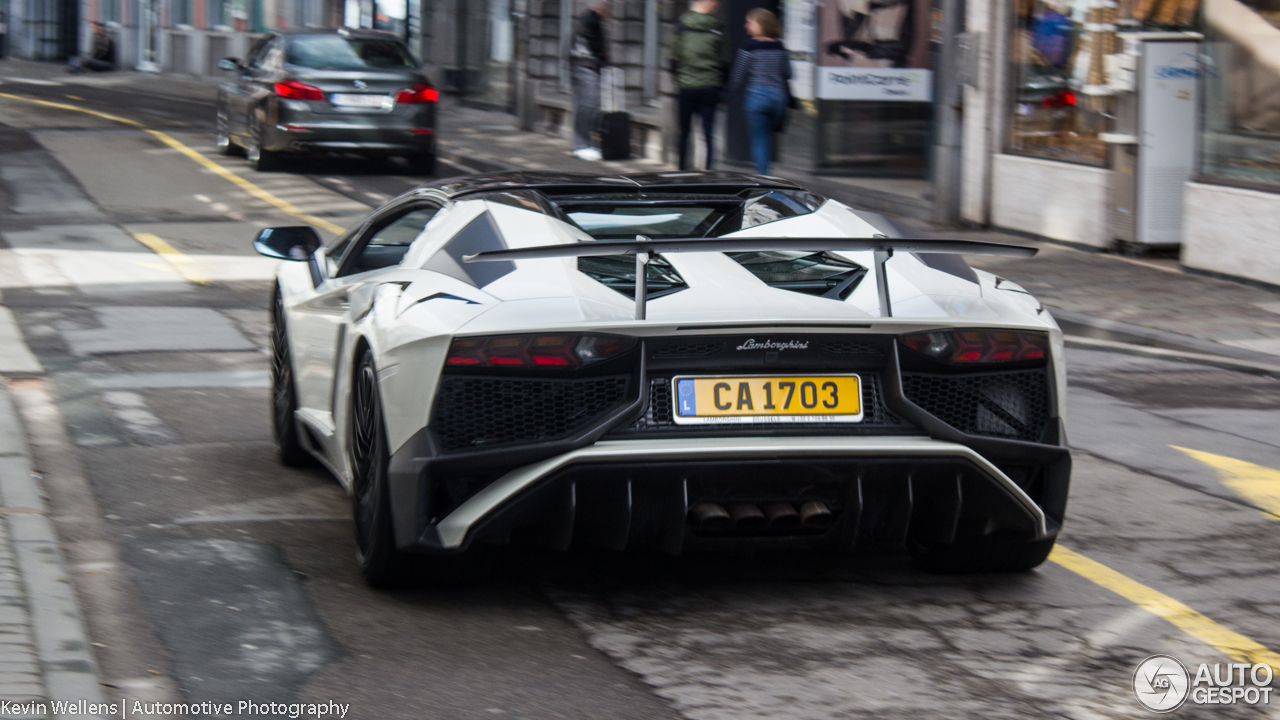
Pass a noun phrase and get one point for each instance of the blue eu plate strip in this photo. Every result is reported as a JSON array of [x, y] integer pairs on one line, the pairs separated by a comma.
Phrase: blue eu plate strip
[[688, 400]]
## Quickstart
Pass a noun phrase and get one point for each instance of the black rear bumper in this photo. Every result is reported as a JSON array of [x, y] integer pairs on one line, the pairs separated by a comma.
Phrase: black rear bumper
[[881, 497]]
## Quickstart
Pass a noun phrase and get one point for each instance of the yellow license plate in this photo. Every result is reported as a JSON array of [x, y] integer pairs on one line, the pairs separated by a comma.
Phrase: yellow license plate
[[767, 399]]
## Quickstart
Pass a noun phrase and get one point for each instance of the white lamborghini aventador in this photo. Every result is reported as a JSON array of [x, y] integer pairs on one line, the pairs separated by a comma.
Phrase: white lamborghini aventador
[[667, 361]]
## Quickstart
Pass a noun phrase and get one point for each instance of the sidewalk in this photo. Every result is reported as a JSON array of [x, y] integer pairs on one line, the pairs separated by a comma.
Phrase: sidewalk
[[1107, 296], [44, 651]]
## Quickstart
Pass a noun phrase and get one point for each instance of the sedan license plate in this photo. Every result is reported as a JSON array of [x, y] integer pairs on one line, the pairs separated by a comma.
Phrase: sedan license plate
[[767, 399], [360, 100]]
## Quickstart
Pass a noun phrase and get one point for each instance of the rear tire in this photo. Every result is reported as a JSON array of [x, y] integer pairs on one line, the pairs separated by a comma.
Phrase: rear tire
[[260, 160], [986, 554], [224, 144], [422, 164], [284, 395], [381, 564]]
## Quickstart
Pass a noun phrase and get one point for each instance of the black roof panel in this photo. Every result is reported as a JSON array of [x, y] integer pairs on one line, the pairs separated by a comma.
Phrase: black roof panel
[[555, 183]]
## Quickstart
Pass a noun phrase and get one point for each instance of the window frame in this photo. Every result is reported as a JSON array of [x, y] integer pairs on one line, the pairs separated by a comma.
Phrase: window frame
[[346, 266]]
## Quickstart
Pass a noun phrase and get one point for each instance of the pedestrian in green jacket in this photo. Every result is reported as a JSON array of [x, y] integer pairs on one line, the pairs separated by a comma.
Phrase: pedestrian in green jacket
[[699, 60]]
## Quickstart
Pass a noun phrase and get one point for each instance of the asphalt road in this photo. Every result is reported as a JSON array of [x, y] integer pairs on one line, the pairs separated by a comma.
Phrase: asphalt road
[[208, 571]]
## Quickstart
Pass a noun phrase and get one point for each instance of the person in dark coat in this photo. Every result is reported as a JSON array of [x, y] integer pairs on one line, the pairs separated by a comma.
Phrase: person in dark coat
[[102, 53], [699, 57], [763, 69], [587, 55]]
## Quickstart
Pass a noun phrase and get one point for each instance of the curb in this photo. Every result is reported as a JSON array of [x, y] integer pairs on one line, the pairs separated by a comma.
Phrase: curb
[[67, 665], [470, 165], [1130, 334]]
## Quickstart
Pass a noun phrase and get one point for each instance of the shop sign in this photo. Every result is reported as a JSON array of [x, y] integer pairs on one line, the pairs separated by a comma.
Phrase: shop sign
[[879, 84]]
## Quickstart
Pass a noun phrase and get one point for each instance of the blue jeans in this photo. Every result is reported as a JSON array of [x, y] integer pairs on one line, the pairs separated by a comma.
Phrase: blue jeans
[[586, 104], [765, 107]]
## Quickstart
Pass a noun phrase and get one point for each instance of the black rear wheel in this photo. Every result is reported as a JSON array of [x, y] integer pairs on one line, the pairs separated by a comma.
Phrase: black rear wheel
[[380, 563], [284, 396], [985, 554]]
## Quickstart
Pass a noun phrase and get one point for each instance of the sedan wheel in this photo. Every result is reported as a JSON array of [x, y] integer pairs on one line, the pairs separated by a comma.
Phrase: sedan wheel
[[284, 398], [223, 143], [259, 159], [422, 164]]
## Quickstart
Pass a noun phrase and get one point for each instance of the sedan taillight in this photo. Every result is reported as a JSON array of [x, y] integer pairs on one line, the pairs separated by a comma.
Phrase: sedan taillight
[[558, 350], [978, 346], [295, 90], [419, 94]]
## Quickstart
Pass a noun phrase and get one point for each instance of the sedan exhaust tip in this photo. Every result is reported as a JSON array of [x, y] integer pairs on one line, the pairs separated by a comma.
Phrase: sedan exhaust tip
[[815, 514], [710, 516]]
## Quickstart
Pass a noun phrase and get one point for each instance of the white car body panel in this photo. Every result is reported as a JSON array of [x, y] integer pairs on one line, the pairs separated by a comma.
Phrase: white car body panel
[[395, 313]]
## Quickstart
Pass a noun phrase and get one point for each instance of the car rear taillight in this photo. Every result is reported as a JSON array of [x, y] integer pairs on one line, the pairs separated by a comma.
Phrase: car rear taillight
[[419, 94], [295, 90], [553, 350], [978, 346]]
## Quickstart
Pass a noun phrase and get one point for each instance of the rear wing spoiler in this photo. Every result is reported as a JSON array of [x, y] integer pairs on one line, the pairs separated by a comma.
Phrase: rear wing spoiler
[[644, 248]]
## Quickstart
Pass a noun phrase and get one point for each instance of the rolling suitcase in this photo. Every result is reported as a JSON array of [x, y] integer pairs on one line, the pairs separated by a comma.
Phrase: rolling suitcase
[[615, 122]]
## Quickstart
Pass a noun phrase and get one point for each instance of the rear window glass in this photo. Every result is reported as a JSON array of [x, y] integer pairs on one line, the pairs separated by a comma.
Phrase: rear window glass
[[605, 222], [334, 52]]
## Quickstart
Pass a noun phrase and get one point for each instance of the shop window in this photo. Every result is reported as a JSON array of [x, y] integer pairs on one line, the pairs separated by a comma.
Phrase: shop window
[[1067, 60], [1241, 120]]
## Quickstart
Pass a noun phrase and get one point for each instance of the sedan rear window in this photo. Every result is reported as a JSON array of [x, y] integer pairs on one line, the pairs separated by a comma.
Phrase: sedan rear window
[[334, 52]]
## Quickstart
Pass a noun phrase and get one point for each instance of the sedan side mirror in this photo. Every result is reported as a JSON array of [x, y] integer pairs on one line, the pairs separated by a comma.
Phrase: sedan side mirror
[[230, 64], [296, 242]]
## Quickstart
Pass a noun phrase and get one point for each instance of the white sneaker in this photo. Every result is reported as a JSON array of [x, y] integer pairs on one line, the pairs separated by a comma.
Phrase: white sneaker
[[588, 154]]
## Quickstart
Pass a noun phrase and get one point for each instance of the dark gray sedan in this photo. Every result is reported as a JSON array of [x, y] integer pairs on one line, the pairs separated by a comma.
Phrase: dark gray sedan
[[312, 91]]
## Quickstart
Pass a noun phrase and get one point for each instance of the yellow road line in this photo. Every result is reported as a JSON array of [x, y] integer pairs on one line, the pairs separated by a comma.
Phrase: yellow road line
[[74, 97], [1257, 483], [1189, 621], [64, 106], [283, 205], [185, 266]]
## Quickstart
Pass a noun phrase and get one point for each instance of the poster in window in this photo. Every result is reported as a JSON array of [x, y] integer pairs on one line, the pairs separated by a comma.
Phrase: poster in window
[[874, 50]]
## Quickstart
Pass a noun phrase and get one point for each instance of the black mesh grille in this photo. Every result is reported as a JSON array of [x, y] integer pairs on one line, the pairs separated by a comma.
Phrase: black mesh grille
[[691, 349], [853, 347], [474, 413], [657, 415], [1007, 404]]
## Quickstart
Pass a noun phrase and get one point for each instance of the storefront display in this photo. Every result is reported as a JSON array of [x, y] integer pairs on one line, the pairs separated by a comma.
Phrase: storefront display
[[1070, 64], [1240, 142], [874, 85]]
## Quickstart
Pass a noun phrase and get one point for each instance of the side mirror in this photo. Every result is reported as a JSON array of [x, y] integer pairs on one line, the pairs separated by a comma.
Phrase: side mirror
[[229, 64], [296, 242]]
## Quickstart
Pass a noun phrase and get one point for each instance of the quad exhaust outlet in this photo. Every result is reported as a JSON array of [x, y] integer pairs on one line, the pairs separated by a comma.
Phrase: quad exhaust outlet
[[811, 514], [710, 516]]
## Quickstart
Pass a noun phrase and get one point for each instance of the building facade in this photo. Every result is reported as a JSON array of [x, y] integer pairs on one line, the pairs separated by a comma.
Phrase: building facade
[[1106, 123], [1129, 124]]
